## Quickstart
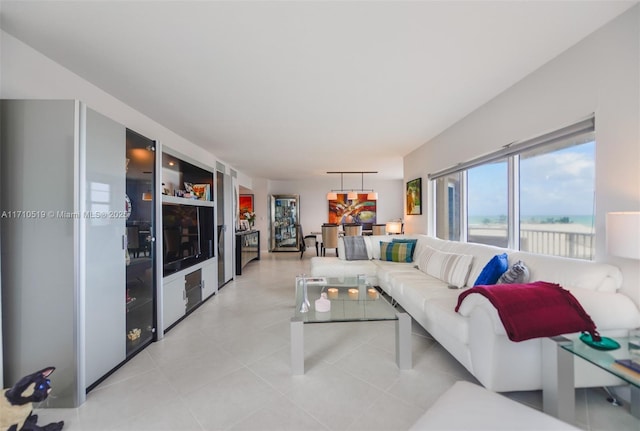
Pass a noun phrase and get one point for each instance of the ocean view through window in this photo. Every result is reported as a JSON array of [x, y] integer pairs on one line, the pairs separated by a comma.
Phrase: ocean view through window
[[539, 199]]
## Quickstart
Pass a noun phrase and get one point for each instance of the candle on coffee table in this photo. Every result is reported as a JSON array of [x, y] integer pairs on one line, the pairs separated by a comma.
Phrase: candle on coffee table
[[332, 293], [353, 293]]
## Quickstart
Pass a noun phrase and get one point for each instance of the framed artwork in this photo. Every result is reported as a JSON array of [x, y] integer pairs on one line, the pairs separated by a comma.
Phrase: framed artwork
[[414, 197], [245, 205], [358, 210]]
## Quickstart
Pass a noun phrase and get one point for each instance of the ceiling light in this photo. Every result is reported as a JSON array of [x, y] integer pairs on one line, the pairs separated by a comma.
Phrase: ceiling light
[[352, 194]]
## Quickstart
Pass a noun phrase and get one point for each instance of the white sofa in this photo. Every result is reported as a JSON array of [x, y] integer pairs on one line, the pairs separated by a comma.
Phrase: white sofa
[[475, 335], [483, 410]]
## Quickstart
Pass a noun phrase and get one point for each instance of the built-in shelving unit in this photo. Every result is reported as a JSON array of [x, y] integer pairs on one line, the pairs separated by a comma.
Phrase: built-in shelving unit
[[189, 243]]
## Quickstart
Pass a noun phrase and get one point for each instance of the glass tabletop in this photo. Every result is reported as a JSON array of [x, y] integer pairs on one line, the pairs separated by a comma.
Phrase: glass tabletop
[[611, 360], [352, 299]]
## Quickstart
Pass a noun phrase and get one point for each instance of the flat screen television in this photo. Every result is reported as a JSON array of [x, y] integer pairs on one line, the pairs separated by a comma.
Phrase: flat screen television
[[187, 236]]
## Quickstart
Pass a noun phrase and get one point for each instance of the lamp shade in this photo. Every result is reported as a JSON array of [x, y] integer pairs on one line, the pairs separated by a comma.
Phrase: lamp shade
[[352, 195], [332, 196], [372, 196], [394, 227], [623, 234]]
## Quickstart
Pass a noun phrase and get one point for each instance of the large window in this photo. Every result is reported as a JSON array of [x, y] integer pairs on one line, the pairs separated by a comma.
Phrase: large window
[[535, 196], [557, 200], [487, 204]]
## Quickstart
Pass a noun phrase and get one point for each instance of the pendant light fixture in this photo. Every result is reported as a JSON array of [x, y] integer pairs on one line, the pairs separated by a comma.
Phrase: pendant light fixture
[[353, 193]]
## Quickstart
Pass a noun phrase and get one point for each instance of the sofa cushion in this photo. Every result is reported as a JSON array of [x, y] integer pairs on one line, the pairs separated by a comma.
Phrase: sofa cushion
[[395, 251], [451, 268], [493, 270], [517, 274], [571, 273], [412, 241], [355, 248]]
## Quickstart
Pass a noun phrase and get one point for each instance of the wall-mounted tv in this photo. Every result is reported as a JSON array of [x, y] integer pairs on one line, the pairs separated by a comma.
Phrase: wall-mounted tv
[[187, 236]]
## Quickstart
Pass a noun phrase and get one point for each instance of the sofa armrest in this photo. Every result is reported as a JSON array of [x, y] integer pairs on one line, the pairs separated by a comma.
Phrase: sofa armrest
[[476, 302], [609, 311]]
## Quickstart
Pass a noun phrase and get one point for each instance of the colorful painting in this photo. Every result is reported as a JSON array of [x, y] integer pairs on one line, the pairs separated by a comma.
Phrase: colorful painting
[[358, 210], [414, 197], [245, 206]]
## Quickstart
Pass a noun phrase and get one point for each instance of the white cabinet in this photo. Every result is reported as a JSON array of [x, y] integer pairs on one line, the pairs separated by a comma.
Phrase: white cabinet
[[63, 258], [178, 294], [174, 301], [188, 253], [209, 279]]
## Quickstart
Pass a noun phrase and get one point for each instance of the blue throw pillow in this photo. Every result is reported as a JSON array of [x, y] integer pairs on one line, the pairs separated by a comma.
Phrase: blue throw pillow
[[493, 270], [412, 244]]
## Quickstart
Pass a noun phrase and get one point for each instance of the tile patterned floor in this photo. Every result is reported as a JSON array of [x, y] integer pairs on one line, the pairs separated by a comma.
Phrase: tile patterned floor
[[226, 367]]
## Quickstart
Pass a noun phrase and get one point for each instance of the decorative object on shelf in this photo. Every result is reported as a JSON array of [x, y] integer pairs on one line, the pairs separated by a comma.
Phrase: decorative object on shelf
[[134, 334], [202, 191], [623, 234], [250, 217], [414, 197], [130, 298], [352, 193], [127, 206], [323, 305]]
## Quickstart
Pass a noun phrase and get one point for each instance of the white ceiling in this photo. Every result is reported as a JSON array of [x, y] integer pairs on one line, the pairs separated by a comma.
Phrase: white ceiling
[[286, 90]]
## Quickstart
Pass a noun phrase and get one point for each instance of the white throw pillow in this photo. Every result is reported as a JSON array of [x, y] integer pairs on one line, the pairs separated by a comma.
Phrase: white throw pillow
[[451, 268]]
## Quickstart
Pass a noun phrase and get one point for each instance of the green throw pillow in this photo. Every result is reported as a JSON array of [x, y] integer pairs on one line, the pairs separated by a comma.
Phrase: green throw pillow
[[412, 243], [395, 251]]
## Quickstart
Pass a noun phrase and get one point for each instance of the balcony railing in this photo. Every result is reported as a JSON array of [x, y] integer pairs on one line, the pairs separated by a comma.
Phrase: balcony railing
[[554, 242]]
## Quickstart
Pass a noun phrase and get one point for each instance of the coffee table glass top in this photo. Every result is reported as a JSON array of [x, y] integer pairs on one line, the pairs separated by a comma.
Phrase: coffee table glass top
[[607, 359], [351, 301]]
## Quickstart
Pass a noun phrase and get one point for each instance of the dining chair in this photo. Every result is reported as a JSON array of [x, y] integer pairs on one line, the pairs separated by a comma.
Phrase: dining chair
[[305, 241], [379, 229], [352, 229], [329, 237]]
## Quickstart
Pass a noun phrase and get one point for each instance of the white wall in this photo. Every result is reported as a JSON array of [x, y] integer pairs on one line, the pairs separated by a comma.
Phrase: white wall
[[27, 74], [601, 75], [314, 207]]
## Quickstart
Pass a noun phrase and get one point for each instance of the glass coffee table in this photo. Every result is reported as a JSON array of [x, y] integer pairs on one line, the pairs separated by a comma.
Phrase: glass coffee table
[[352, 300], [558, 356]]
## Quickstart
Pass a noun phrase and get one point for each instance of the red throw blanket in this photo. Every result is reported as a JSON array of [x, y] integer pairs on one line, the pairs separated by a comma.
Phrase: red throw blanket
[[537, 309]]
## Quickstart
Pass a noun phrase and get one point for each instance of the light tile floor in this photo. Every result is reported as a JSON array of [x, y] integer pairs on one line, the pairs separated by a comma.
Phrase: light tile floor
[[226, 367]]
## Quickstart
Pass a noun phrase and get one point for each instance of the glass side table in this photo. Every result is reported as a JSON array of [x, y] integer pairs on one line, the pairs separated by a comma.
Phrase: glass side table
[[558, 354]]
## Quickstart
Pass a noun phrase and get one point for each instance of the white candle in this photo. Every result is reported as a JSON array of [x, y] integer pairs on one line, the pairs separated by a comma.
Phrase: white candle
[[353, 293], [372, 293], [332, 292]]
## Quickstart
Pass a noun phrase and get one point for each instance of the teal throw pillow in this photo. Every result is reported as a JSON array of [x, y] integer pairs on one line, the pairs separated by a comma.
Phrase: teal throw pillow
[[411, 242], [395, 252], [493, 270]]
